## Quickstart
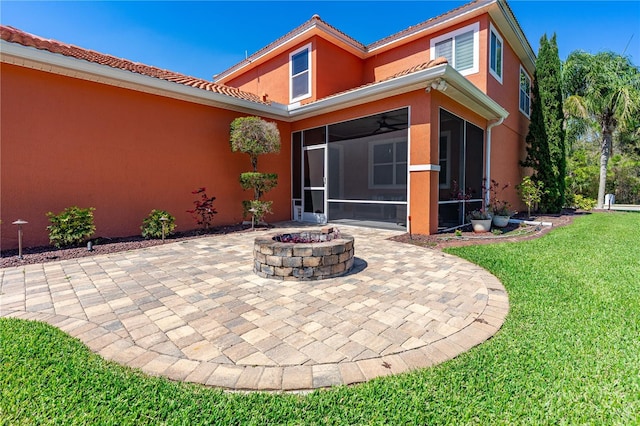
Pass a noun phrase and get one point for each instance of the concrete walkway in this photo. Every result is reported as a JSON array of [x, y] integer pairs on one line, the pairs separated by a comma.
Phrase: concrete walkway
[[195, 311]]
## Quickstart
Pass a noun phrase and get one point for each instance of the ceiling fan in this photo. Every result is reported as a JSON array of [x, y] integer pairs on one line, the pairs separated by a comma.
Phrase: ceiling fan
[[384, 126]]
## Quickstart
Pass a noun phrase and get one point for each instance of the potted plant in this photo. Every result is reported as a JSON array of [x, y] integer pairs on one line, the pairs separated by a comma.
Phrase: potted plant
[[480, 220], [499, 208], [501, 215]]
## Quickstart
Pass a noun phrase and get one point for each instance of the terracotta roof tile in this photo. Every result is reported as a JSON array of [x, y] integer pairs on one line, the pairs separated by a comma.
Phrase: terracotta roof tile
[[14, 35], [419, 67]]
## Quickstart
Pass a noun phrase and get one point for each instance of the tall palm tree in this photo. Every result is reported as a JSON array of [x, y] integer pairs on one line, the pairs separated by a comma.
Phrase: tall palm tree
[[605, 89]]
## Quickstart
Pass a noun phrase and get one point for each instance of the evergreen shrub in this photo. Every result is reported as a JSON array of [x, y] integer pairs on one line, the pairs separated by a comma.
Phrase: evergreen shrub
[[71, 226], [152, 225]]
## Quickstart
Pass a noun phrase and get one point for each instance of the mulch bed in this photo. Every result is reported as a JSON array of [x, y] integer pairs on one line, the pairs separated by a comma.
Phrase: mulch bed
[[33, 255], [511, 233], [103, 245]]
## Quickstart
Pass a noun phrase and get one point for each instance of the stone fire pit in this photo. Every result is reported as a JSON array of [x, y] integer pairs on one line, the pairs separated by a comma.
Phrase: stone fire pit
[[304, 255]]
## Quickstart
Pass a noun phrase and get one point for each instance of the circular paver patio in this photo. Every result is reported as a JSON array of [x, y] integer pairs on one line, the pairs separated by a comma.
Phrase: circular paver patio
[[195, 311]]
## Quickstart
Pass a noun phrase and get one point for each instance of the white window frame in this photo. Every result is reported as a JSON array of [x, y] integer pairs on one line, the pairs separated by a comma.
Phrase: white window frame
[[492, 71], [447, 158], [523, 71], [308, 71], [452, 35], [395, 163]]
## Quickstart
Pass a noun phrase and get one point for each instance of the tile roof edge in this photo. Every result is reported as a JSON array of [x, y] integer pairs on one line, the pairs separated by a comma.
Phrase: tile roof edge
[[422, 25], [14, 35], [314, 21]]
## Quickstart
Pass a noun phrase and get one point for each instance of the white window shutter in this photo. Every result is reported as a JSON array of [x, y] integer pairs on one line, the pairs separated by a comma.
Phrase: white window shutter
[[464, 51], [444, 49]]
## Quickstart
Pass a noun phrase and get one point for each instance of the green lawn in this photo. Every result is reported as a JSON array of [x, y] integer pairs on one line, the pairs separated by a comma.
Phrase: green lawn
[[568, 353]]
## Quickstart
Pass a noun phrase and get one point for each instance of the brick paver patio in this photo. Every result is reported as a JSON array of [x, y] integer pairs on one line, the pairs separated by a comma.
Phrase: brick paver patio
[[195, 311]]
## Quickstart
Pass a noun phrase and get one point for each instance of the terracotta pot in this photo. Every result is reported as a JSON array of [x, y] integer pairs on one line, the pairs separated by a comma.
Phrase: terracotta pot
[[501, 221], [481, 225]]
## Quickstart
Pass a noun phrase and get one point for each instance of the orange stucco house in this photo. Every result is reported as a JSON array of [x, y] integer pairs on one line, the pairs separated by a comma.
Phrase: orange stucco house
[[383, 134]]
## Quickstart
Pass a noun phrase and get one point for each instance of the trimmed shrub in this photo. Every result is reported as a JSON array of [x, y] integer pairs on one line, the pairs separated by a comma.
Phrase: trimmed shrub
[[71, 226], [152, 225], [259, 182], [257, 208]]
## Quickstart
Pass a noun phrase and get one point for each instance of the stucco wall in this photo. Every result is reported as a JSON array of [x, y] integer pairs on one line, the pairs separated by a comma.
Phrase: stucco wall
[[66, 141], [507, 92], [336, 70], [333, 70], [379, 66], [508, 146], [270, 78], [382, 65]]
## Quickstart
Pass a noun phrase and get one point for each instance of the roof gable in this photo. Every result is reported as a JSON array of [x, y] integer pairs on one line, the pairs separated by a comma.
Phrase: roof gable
[[314, 26]]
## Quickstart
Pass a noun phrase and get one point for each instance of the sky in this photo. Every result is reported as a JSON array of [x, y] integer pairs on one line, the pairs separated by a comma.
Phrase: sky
[[204, 38]]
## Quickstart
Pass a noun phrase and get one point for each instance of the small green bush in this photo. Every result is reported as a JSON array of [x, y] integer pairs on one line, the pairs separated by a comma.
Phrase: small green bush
[[152, 225], [584, 203], [71, 226], [530, 192]]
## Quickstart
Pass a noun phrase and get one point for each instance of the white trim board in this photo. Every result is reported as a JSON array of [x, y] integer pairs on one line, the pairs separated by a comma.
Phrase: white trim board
[[424, 168]]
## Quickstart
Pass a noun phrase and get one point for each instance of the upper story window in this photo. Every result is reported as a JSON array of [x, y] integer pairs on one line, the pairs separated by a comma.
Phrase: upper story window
[[525, 92], [495, 54], [460, 47], [300, 73]]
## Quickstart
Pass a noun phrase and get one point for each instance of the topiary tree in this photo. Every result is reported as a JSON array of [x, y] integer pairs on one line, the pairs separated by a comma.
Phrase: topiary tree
[[255, 136]]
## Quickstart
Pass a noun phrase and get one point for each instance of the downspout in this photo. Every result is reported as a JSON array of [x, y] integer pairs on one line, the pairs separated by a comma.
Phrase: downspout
[[488, 170]]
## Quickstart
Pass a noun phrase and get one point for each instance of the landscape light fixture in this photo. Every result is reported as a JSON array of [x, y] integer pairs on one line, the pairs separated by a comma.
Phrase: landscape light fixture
[[164, 220], [253, 218], [20, 222]]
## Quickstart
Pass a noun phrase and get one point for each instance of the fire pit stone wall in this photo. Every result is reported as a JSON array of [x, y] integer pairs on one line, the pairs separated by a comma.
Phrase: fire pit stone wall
[[303, 261]]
